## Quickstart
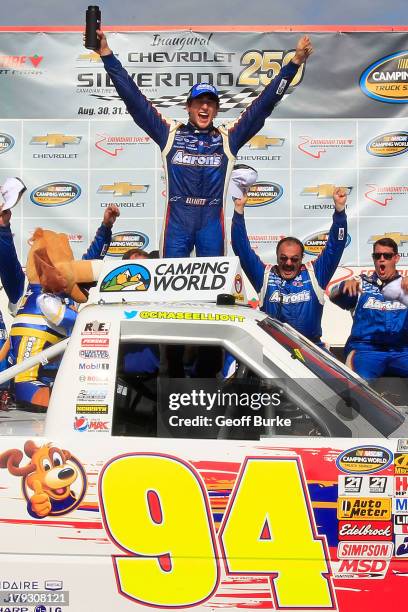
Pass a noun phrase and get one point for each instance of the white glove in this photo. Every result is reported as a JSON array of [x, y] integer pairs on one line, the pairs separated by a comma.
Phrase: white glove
[[393, 291]]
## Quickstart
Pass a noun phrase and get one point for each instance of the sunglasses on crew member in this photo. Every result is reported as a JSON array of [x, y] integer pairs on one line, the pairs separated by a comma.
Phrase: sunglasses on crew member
[[284, 259], [388, 256]]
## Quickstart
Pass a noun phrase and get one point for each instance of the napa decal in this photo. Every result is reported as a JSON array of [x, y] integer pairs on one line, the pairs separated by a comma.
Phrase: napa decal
[[389, 144], [53, 481], [129, 277], [55, 194], [6, 142], [387, 79], [263, 193], [316, 243], [123, 241], [364, 459]]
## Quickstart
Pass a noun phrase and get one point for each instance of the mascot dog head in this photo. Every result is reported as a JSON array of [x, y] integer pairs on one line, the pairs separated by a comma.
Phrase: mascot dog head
[[51, 264], [48, 465]]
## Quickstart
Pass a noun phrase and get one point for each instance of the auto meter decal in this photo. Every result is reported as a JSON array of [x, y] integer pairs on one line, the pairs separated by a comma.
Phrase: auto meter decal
[[129, 277], [53, 481], [6, 142], [263, 193], [387, 79], [55, 194], [364, 459], [389, 144], [315, 243], [123, 241]]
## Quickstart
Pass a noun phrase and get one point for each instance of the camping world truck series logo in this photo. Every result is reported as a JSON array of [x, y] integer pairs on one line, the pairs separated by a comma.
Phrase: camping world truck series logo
[[386, 80], [55, 194]]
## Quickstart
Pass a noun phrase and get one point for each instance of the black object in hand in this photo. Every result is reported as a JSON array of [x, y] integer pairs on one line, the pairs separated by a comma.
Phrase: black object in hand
[[93, 23]]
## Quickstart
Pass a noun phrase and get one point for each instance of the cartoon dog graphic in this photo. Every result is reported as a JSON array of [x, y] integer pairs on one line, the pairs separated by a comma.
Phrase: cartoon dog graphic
[[49, 474]]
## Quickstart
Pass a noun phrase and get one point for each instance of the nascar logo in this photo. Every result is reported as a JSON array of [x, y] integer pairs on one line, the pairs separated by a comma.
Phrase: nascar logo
[[55, 194]]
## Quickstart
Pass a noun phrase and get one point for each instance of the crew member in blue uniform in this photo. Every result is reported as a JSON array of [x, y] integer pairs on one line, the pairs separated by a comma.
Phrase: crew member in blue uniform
[[291, 291], [378, 342], [198, 157]]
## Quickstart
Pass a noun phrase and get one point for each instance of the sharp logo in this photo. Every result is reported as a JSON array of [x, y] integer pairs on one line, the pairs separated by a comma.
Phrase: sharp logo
[[396, 236], [57, 141], [323, 191], [261, 143], [123, 189]]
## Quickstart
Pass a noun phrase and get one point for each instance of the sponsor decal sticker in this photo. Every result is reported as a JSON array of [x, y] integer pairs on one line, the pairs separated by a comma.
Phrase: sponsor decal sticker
[[399, 505], [366, 485], [82, 424], [129, 277], [386, 80], [364, 459], [100, 342], [55, 194], [98, 328], [402, 444], [93, 354], [6, 142], [363, 508], [315, 243], [238, 283], [93, 366], [373, 530], [123, 241], [263, 193], [401, 546], [360, 568], [92, 395], [190, 316], [365, 550], [401, 486], [388, 145], [94, 409], [401, 463]]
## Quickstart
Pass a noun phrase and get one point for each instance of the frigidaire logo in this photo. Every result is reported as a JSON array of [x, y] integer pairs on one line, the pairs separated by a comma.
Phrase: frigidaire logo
[[6, 143], [55, 194], [123, 241], [315, 243], [389, 144], [386, 80], [264, 193]]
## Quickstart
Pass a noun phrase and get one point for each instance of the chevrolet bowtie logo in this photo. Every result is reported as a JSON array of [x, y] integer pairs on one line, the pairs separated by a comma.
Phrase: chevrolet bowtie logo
[[263, 142], [396, 236], [56, 140], [123, 189], [323, 191], [90, 57]]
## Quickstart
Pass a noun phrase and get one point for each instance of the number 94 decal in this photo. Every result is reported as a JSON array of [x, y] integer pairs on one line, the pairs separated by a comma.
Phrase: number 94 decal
[[156, 509]]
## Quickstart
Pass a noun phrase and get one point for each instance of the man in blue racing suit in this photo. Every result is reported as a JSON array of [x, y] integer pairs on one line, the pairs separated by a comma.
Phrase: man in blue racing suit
[[198, 157], [378, 342], [291, 291]]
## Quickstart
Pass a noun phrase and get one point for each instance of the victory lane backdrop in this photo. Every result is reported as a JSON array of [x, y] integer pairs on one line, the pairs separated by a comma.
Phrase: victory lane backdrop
[[64, 130]]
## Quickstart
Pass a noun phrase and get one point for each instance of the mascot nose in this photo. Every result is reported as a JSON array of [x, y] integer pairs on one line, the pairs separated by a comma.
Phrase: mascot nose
[[66, 473]]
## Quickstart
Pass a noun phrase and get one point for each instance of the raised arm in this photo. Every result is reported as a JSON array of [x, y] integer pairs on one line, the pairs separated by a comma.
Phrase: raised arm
[[253, 267], [253, 118]]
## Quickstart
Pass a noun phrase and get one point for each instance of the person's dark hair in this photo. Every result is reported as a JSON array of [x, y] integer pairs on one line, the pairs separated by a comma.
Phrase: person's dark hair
[[154, 255], [387, 242], [290, 239], [139, 252]]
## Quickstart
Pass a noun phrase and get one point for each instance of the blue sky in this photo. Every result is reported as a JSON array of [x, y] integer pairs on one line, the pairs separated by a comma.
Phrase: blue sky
[[205, 12]]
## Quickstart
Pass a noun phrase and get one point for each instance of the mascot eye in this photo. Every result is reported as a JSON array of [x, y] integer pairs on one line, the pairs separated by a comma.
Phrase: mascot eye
[[46, 464], [57, 459]]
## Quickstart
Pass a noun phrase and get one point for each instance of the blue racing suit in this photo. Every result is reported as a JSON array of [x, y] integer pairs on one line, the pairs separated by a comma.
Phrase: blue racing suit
[[12, 278], [378, 342], [41, 321], [197, 162], [298, 301]]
